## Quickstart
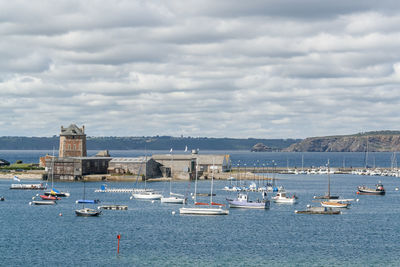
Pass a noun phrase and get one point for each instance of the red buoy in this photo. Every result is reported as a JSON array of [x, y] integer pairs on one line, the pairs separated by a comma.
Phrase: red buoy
[[118, 237]]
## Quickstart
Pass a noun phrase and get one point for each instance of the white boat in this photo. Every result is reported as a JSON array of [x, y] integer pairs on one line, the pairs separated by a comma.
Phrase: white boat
[[281, 197], [146, 195], [43, 202], [86, 212], [207, 209], [203, 211], [329, 204], [174, 199]]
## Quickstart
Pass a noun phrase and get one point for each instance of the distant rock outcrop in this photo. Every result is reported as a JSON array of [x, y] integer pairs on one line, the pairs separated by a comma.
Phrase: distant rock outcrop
[[380, 141], [260, 147]]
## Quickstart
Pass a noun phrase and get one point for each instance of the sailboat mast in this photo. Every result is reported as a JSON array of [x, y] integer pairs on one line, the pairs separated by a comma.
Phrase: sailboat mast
[[212, 183], [195, 181], [329, 182]]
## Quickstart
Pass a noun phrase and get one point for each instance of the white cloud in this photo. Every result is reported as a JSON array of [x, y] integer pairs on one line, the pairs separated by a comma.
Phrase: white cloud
[[270, 69]]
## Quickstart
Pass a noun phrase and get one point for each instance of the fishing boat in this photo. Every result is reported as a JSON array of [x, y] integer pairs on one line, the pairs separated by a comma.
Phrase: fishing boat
[[242, 201], [318, 210], [86, 212], [211, 208], [378, 190], [281, 197], [328, 194], [334, 204]]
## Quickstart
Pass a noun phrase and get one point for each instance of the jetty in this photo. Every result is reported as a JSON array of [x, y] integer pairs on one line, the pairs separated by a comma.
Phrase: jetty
[[113, 207]]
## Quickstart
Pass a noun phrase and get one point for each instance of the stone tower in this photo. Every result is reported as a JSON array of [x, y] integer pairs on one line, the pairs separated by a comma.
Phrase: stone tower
[[72, 142]]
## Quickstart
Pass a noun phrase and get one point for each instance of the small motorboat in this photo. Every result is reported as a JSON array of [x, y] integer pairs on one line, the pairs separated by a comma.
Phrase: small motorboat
[[86, 212], [2, 198], [334, 204], [281, 197], [44, 197], [378, 190]]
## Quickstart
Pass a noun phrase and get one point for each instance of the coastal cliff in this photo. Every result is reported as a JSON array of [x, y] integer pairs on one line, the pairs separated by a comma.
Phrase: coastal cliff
[[380, 141]]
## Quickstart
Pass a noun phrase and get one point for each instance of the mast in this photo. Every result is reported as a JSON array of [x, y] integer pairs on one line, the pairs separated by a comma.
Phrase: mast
[[212, 183], [195, 181], [329, 182]]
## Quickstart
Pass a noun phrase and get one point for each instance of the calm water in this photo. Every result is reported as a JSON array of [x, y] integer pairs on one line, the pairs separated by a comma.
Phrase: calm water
[[366, 234]]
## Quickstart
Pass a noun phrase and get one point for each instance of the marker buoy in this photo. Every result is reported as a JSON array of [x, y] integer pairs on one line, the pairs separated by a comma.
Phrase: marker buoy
[[173, 212], [152, 201], [118, 237], [60, 214], [131, 197]]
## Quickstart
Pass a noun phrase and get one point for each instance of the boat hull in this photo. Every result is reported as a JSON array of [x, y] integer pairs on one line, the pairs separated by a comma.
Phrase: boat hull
[[173, 200], [370, 192], [144, 196], [334, 205], [42, 202], [248, 205], [203, 211], [87, 213], [60, 194]]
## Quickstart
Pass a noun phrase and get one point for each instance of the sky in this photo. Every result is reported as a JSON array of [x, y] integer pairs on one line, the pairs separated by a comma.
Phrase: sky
[[227, 68]]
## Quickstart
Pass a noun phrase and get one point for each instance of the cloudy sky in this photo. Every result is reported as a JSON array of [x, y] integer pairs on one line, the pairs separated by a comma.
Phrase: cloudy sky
[[267, 69]]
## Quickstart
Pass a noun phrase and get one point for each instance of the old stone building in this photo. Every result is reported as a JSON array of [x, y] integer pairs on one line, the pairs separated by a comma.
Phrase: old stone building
[[72, 142], [74, 168], [142, 166], [183, 166]]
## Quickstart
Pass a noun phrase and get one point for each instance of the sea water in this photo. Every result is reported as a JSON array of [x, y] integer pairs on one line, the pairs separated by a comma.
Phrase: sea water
[[151, 235]]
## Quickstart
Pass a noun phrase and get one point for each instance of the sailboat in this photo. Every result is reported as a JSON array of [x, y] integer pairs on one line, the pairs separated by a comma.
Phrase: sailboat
[[53, 193], [208, 209], [145, 194], [173, 198], [328, 195], [86, 212]]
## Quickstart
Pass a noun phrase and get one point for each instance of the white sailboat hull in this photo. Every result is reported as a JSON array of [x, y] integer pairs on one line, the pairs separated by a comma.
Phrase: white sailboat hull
[[203, 211], [147, 196], [173, 200]]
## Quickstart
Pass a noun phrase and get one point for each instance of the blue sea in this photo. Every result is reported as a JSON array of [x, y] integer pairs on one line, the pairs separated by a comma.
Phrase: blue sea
[[366, 234]]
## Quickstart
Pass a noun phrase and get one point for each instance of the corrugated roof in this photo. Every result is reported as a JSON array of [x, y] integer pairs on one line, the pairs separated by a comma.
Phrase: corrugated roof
[[127, 160]]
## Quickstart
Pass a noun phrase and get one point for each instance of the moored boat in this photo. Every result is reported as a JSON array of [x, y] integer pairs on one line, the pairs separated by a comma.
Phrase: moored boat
[[242, 201], [203, 211], [44, 197], [334, 204], [281, 197], [86, 212], [146, 195], [378, 190], [43, 202]]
